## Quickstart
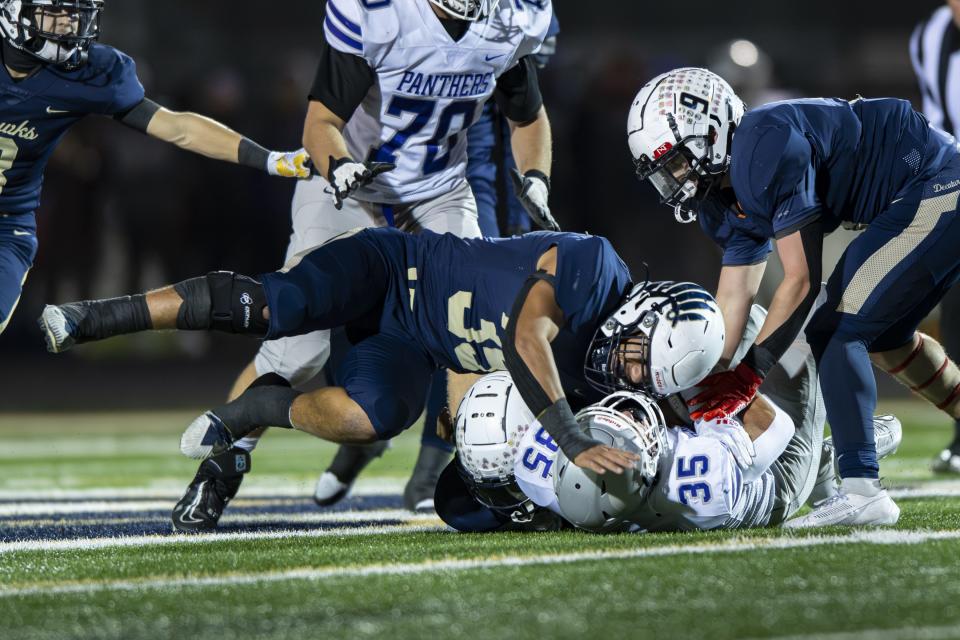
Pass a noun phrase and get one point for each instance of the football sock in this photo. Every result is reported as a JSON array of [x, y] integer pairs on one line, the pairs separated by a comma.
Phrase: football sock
[[266, 403], [99, 319]]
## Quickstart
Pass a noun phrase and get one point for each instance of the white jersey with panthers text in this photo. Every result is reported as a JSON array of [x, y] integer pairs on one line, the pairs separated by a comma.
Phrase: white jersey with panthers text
[[429, 88], [700, 485]]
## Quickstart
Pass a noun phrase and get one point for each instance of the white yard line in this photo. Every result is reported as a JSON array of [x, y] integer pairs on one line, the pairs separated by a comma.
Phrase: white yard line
[[80, 544], [728, 546], [258, 488], [235, 518]]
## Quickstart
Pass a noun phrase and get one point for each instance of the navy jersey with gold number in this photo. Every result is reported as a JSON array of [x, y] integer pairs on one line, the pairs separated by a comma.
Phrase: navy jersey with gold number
[[429, 300]]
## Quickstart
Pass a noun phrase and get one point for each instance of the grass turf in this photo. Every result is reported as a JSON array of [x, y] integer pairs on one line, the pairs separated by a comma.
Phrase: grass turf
[[857, 587]]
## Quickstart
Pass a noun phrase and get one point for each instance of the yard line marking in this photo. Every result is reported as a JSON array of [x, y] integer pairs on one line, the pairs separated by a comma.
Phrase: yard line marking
[[174, 490], [903, 633], [311, 574], [234, 518], [83, 544]]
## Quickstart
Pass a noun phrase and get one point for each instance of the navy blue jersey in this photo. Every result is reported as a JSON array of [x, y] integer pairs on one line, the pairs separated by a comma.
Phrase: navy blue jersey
[[844, 162], [456, 295], [36, 111]]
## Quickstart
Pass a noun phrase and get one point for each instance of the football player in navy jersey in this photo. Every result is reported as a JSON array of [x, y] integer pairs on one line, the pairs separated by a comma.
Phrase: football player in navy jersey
[[557, 310], [790, 172], [55, 73]]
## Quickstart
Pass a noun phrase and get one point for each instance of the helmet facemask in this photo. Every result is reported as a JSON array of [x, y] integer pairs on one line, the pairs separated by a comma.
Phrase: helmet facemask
[[680, 175], [469, 10], [57, 32], [502, 496]]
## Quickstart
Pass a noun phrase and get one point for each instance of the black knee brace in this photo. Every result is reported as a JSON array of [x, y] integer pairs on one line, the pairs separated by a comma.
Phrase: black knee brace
[[222, 301]]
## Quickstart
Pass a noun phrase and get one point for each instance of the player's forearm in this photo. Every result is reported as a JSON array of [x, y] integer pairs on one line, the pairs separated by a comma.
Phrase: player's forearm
[[736, 291], [197, 133], [532, 345], [323, 137], [531, 143]]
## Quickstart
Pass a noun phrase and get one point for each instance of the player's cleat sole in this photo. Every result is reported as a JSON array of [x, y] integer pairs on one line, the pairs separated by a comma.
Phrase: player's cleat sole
[[215, 484], [57, 325], [425, 506], [947, 462], [206, 437], [850, 509], [336, 482]]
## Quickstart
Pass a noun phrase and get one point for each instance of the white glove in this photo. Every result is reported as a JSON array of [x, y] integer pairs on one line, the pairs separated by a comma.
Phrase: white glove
[[346, 176], [289, 164], [533, 189]]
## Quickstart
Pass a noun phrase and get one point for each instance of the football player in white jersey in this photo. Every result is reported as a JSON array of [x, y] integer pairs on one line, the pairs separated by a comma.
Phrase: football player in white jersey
[[754, 470], [398, 84]]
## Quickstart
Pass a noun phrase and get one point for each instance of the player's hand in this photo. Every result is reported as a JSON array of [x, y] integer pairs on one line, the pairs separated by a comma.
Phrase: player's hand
[[533, 189], [346, 176], [602, 458], [726, 393], [289, 164]]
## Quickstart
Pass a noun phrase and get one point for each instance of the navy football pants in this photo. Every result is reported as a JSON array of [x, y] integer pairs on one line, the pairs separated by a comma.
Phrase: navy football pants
[[887, 281], [18, 247], [346, 283]]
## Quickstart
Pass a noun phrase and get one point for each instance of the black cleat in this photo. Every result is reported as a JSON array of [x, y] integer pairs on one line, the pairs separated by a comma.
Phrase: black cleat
[[215, 484], [418, 494], [335, 483]]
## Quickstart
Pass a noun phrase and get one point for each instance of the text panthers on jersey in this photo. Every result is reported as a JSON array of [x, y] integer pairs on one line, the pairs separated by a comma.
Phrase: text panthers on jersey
[[429, 88]]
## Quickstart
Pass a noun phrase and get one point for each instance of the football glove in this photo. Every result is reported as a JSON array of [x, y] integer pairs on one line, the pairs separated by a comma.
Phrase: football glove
[[726, 393], [289, 164], [346, 176], [533, 189]]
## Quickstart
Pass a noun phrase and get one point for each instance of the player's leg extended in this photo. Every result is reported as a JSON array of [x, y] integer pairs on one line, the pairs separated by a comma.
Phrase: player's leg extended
[[18, 246], [384, 382], [948, 460], [295, 359]]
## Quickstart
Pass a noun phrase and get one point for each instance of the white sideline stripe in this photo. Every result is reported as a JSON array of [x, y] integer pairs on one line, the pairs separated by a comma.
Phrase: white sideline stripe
[[83, 544], [317, 517], [369, 487], [174, 491], [732, 545], [903, 633]]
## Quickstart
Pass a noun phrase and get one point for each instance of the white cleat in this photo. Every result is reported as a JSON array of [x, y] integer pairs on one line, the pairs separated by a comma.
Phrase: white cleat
[[887, 434], [946, 462], [851, 506], [206, 437], [330, 490], [56, 329]]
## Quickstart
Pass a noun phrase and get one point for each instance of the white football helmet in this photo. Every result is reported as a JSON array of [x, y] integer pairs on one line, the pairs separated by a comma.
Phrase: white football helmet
[[58, 32], [625, 420], [472, 10], [675, 329], [679, 130], [491, 420]]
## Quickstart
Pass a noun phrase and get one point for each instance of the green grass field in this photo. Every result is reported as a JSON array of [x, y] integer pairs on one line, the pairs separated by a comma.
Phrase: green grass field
[[285, 569]]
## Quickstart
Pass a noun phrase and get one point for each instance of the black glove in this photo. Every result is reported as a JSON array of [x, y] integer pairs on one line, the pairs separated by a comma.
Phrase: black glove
[[346, 176]]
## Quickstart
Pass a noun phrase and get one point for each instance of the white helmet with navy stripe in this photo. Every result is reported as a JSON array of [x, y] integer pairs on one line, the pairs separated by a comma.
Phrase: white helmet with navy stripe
[[680, 129], [675, 329]]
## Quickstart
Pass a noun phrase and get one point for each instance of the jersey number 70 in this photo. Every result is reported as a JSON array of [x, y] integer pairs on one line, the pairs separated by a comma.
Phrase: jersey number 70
[[423, 113]]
